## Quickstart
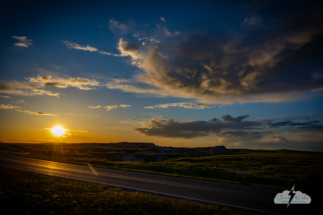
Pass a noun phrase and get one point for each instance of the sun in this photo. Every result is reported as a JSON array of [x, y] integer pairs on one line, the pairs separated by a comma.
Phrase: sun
[[58, 131]]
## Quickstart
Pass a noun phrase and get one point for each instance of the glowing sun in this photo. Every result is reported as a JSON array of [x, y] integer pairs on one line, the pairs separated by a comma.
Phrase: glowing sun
[[58, 131]]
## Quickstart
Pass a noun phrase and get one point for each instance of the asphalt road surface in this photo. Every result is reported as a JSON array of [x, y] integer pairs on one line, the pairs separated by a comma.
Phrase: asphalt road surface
[[234, 195]]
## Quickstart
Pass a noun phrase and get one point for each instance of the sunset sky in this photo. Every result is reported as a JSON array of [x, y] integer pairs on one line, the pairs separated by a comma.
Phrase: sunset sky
[[182, 74]]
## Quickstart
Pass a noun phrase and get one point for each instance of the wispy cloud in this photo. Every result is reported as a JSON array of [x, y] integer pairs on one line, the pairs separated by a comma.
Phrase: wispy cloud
[[44, 92], [36, 113], [251, 21], [115, 25], [71, 45], [169, 34], [7, 97], [82, 115], [2, 106], [10, 107], [110, 107], [35, 84], [95, 107], [60, 82], [23, 41], [163, 19], [182, 104]]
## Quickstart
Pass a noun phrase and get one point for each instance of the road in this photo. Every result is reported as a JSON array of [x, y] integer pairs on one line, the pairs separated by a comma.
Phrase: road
[[234, 195]]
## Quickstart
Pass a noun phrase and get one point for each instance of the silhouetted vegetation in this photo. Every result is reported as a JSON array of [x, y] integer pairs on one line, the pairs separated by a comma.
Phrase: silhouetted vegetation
[[280, 168], [30, 193]]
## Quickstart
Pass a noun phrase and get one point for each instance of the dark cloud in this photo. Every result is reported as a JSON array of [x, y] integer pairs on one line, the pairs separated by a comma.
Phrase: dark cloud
[[213, 120], [229, 128], [4, 87], [278, 124], [229, 118], [51, 84], [290, 123], [244, 134], [268, 64], [192, 129]]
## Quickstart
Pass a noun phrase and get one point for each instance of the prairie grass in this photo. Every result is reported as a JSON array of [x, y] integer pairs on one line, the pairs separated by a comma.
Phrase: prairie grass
[[31, 193], [278, 168]]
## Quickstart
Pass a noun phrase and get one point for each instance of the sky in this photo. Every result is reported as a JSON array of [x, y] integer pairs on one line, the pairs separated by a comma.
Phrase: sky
[[243, 74]]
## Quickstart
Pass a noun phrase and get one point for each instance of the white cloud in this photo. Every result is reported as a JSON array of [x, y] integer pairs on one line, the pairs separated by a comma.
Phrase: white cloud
[[182, 104], [162, 19], [115, 106], [71, 45], [23, 41]]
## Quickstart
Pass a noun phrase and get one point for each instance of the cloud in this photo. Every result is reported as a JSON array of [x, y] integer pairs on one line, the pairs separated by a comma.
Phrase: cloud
[[191, 129], [309, 124], [82, 115], [7, 97], [222, 68], [36, 113], [94, 107], [110, 107], [115, 25], [162, 19], [229, 118], [251, 21], [71, 45], [60, 82], [169, 34], [115, 106], [129, 49], [35, 84], [44, 92], [233, 129], [182, 104], [23, 41], [2, 106], [150, 40], [21, 101]]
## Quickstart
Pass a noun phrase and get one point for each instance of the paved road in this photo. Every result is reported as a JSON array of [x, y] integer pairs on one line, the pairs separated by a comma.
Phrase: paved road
[[240, 196]]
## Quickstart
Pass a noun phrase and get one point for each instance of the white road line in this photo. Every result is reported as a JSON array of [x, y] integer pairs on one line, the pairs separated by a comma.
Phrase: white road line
[[147, 191]]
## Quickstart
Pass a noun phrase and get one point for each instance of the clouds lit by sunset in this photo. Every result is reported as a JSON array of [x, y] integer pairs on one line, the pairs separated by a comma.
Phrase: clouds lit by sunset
[[181, 74]]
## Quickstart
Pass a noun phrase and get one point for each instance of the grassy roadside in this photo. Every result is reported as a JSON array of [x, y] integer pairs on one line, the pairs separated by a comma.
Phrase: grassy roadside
[[279, 169], [31, 193]]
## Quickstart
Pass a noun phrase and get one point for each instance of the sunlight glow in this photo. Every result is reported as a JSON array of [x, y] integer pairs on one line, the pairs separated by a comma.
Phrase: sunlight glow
[[58, 131]]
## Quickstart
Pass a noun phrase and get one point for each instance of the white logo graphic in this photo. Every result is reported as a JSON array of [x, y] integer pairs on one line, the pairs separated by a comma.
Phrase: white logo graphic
[[292, 197]]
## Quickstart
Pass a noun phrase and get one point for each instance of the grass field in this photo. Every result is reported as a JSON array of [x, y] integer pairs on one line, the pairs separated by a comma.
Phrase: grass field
[[281, 169], [31, 193]]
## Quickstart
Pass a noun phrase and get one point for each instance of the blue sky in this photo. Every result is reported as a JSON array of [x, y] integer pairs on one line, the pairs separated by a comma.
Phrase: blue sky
[[141, 71]]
